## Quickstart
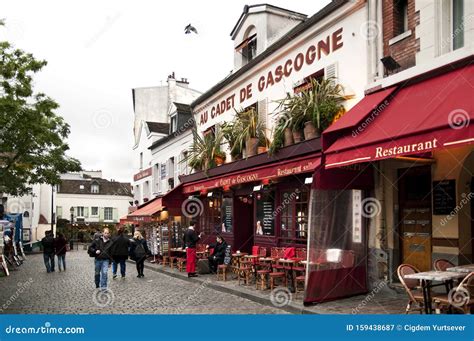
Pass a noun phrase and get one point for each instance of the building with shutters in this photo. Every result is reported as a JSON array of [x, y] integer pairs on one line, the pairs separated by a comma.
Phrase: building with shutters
[[92, 199]]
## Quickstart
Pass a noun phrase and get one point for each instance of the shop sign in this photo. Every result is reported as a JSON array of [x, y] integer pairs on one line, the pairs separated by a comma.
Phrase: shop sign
[[290, 168], [274, 75], [143, 174], [357, 216]]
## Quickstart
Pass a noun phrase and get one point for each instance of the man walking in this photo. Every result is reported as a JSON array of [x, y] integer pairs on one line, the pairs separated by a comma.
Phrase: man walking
[[48, 251], [101, 248], [190, 239], [120, 252]]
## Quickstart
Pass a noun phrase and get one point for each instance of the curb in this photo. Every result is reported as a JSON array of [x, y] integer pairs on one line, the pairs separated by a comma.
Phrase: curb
[[291, 308]]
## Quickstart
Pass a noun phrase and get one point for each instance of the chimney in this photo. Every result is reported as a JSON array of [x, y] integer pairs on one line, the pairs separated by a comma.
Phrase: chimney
[[183, 82]]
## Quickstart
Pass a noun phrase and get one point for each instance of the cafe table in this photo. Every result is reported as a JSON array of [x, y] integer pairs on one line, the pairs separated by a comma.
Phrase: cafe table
[[236, 260], [288, 266], [428, 277], [462, 268]]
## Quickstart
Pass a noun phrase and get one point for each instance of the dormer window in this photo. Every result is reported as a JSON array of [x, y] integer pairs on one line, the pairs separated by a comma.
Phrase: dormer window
[[249, 52], [174, 123], [95, 188]]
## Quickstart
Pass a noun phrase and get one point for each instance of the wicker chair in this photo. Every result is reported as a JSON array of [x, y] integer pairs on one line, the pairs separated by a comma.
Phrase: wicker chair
[[412, 288], [442, 264], [460, 298]]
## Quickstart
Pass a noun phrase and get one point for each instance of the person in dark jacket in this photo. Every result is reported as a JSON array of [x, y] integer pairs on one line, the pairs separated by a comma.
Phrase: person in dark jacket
[[101, 247], [60, 248], [48, 251], [120, 250], [218, 254], [138, 252], [190, 239]]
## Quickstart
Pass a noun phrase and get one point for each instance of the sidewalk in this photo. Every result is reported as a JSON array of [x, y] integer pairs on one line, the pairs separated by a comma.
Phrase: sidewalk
[[382, 301]]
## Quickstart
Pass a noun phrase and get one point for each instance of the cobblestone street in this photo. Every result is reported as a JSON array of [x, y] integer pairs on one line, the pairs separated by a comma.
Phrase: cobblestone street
[[31, 290]]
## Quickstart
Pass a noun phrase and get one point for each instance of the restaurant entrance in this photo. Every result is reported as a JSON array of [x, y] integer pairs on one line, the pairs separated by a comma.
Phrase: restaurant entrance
[[243, 218], [415, 216]]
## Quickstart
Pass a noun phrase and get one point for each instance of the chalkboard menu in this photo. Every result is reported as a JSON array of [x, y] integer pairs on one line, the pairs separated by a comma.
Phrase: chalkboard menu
[[444, 197], [228, 255], [266, 213], [226, 214]]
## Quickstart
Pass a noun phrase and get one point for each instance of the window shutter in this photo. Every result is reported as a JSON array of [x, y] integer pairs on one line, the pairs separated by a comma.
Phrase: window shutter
[[101, 214], [86, 212], [75, 211], [115, 214], [177, 167], [330, 72], [263, 112]]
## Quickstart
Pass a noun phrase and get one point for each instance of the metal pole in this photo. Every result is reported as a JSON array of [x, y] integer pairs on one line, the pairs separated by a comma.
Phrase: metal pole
[[52, 208]]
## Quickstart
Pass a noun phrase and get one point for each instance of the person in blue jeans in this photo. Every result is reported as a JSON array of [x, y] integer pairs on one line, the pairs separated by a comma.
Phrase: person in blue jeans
[[48, 251], [60, 245], [101, 247], [120, 250]]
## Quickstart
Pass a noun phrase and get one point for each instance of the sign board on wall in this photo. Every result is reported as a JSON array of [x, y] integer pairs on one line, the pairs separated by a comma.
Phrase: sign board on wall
[[444, 197], [357, 216]]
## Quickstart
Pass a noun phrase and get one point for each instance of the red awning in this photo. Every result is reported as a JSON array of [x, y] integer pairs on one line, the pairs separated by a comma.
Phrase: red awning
[[145, 213], [430, 115], [275, 170]]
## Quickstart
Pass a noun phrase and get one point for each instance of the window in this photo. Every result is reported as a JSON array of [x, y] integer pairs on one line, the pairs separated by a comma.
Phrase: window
[[294, 215], [249, 52], [80, 211], [95, 188], [174, 123], [210, 220], [458, 24], [141, 160], [108, 213], [94, 211], [400, 17], [171, 167]]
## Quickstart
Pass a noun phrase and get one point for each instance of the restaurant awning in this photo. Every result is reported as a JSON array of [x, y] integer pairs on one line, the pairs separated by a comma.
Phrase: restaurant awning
[[145, 213], [432, 114], [270, 171]]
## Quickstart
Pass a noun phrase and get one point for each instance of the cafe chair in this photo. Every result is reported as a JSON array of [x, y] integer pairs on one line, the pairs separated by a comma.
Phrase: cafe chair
[[461, 297], [442, 265], [299, 284], [165, 261], [222, 272], [275, 276], [181, 263], [412, 288], [244, 272]]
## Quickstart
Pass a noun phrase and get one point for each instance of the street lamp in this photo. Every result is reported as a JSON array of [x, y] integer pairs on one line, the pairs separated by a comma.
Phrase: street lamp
[[71, 210]]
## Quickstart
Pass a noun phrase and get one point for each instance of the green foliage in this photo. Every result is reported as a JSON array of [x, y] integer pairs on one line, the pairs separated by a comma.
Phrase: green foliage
[[204, 150], [32, 135]]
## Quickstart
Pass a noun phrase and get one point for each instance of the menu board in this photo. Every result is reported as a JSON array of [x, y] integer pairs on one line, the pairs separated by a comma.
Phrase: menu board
[[228, 255], [266, 213], [357, 216], [226, 214], [444, 197]]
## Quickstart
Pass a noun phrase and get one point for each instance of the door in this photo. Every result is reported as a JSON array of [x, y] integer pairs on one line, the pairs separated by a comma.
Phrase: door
[[243, 224], [415, 216]]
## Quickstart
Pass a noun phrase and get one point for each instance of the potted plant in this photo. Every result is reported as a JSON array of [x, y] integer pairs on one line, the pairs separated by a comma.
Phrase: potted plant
[[205, 152], [229, 132], [250, 132]]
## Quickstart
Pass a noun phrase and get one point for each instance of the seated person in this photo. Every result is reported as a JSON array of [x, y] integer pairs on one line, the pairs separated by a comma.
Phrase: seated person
[[218, 255]]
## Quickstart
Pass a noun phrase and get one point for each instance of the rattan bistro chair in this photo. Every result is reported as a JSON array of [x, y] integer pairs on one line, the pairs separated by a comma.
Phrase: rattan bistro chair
[[442, 264], [412, 288], [460, 298]]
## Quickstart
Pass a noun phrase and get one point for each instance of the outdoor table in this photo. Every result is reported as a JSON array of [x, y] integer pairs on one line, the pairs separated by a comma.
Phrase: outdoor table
[[252, 260], [288, 266], [428, 277], [237, 256], [462, 268]]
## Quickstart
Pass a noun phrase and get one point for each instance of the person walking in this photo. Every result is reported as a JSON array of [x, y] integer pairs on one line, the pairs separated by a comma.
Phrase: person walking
[[218, 254], [48, 251], [190, 239], [101, 248], [138, 252], [60, 247], [120, 251]]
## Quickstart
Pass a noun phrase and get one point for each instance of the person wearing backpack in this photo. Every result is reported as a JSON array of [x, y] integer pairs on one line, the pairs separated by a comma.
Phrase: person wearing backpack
[[120, 247], [100, 249], [138, 252]]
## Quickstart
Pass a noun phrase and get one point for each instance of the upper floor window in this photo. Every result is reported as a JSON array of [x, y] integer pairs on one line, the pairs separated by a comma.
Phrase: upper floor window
[[174, 123], [95, 188], [108, 213], [80, 211], [458, 24], [400, 16], [141, 160], [249, 52]]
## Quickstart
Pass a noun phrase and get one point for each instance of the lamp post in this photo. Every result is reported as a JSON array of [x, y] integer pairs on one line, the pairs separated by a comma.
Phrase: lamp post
[[71, 210]]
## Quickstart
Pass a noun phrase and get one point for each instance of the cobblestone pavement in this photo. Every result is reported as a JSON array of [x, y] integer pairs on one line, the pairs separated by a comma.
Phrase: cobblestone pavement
[[31, 290]]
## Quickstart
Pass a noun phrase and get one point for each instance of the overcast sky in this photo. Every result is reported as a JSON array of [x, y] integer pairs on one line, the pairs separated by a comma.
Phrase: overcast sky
[[97, 51]]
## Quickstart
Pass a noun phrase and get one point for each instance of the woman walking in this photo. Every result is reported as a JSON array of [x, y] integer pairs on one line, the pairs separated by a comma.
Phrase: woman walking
[[138, 252], [60, 245]]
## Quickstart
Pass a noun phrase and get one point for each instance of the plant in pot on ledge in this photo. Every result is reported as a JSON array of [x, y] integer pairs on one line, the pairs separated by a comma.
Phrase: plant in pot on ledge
[[319, 105], [205, 152], [250, 132], [229, 132]]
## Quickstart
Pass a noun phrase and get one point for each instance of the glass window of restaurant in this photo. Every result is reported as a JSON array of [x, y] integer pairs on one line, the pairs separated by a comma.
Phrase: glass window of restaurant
[[210, 219], [294, 210]]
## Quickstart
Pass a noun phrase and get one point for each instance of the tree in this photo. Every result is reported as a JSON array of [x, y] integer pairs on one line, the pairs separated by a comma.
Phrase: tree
[[32, 136]]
